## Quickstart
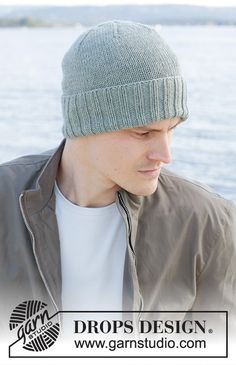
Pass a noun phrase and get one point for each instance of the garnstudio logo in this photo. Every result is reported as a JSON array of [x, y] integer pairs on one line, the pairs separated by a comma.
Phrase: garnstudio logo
[[34, 326]]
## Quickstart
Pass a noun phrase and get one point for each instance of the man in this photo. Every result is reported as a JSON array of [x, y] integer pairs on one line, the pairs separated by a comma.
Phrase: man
[[99, 223]]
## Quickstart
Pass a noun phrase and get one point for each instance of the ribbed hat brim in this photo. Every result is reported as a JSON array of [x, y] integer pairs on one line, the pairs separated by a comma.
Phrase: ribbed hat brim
[[124, 106]]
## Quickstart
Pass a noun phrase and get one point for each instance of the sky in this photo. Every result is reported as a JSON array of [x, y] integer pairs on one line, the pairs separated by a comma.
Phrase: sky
[[122, 2]]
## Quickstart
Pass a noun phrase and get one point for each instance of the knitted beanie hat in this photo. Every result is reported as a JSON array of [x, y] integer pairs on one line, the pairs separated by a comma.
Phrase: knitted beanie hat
[[120, 74]]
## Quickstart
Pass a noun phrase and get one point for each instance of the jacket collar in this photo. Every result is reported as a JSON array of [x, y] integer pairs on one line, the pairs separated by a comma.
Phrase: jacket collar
[[37, 198], [41, 195]]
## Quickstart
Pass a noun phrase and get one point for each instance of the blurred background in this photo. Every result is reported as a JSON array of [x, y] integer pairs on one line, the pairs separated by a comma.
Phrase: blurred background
[[35, 35]]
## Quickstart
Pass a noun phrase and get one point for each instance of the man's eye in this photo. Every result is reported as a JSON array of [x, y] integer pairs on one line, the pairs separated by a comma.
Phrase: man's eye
[[143, 134]]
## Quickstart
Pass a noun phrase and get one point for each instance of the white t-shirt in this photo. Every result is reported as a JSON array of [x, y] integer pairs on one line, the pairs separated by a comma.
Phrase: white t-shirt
[[93, 246]]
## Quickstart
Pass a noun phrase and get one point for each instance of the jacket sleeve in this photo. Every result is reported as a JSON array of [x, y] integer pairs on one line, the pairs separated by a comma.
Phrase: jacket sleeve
[[216, 284]]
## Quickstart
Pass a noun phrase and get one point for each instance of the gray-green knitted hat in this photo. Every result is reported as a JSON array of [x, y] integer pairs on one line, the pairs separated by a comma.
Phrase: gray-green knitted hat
[[120, 74]]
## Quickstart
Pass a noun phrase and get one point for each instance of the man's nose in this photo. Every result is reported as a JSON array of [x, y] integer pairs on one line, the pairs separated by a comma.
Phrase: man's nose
[[160, 148]]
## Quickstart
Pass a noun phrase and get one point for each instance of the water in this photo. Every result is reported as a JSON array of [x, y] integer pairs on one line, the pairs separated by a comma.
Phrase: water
[[204, 147]]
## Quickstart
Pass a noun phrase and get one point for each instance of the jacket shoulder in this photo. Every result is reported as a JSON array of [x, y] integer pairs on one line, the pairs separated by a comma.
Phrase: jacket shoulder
[[28, 159], [22, 172], [187, 188], [193, 197]]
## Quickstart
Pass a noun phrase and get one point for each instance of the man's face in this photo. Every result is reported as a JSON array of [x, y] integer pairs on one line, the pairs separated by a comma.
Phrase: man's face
[[131, 158]]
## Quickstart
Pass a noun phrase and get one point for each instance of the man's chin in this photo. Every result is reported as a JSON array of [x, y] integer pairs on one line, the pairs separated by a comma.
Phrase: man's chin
[[146, 191]]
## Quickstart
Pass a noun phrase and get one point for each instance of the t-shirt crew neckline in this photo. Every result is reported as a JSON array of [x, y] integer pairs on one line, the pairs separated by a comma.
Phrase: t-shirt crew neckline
[[106, 210]]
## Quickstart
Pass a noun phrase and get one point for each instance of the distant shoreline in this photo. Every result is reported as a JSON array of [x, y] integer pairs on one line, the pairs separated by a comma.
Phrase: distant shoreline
[[88, 16], [36, 23]]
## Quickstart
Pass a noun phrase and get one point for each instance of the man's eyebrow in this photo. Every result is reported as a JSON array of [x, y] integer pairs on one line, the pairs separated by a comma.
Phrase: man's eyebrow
[[145, 128]]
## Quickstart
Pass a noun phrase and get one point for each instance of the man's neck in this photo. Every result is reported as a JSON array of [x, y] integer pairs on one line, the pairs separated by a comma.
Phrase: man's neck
[[79, 185]]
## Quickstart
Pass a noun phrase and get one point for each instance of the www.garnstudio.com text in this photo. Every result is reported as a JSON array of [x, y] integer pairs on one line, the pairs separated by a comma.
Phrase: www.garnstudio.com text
[[146, 343]]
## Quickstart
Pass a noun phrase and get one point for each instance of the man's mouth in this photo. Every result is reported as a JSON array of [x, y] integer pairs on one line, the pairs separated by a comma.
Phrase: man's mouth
[[152, 173]]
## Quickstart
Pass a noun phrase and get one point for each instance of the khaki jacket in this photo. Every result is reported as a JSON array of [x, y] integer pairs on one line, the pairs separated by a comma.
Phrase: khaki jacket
[[181, 242]]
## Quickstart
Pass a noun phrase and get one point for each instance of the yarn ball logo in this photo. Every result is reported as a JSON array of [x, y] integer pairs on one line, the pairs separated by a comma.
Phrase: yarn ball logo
[[34, 326]]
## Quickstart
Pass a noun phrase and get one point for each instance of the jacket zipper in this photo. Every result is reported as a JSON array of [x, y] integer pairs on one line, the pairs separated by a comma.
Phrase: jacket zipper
[[33, 242], [131, 247], [129, 222]]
